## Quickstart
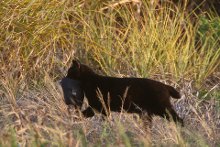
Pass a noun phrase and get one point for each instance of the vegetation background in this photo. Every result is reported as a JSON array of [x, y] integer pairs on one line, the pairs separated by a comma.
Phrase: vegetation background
[[175, 43]]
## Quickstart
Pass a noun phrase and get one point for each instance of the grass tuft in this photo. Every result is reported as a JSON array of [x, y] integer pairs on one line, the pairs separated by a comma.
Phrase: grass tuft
[[128, 38]]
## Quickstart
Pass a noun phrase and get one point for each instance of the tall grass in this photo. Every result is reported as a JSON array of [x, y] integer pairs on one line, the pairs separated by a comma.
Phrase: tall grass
[[38, 40], [45, 36]]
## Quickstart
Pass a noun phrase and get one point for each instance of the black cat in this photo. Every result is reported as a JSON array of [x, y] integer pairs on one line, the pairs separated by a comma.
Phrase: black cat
[[134, 95]]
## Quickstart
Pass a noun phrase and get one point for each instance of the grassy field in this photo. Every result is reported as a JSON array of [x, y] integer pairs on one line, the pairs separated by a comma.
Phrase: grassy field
[[39, 39]]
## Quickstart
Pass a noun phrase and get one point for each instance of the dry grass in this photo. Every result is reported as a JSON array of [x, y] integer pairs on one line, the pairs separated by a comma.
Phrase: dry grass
[[38, 40], [39, 116]]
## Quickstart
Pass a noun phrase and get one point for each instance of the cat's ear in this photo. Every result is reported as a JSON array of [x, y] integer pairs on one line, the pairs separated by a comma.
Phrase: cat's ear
[[76, 64]]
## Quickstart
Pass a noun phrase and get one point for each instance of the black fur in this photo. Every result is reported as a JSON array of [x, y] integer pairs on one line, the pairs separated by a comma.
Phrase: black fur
[[134, 95], [72, 91]]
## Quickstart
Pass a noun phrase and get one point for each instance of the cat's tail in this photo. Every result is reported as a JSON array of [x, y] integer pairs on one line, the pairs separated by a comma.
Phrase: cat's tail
[[173, 92]]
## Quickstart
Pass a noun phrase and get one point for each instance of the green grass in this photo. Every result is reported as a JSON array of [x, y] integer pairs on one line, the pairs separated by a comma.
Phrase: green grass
[[38, 40]]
